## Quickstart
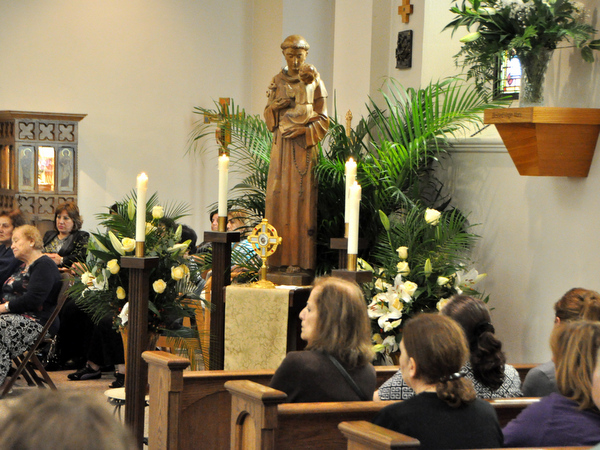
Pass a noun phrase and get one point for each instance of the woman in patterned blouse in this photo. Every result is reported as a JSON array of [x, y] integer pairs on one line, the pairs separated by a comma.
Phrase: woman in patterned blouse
[[486, 368]]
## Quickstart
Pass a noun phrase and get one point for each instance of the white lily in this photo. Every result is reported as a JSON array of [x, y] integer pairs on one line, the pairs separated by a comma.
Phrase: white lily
[[124, 314]]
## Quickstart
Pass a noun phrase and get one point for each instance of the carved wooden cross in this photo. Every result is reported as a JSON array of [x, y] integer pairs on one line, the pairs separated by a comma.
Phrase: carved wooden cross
[[405, 10], [223, 131]]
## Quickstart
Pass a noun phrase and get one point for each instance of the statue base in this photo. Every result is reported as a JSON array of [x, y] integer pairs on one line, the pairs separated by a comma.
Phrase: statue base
[[280, 276]]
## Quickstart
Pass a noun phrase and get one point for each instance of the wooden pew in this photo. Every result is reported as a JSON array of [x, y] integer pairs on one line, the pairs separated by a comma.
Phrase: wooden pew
[[188, 408], [363, 435], [261, 418]]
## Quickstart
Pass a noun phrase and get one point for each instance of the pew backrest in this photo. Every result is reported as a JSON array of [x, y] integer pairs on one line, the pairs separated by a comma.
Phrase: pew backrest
[[188, 407], [363, 435], [261, 419]]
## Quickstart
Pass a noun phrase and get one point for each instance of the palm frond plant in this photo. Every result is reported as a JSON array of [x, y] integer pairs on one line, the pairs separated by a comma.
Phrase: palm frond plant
[[249, 152], [420, 260], [405, 137], [395, 147], [101, 288]]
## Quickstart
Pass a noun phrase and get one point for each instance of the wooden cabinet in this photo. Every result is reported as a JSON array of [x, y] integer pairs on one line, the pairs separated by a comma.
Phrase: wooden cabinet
[[38, 161]]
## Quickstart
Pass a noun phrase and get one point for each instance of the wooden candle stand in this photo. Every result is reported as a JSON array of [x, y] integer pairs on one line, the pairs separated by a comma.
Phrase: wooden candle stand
[[221, 277], [341, 244], [137, 369]]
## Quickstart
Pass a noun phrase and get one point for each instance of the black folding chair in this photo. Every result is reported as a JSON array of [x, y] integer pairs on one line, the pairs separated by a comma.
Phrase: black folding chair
[[28, 362]]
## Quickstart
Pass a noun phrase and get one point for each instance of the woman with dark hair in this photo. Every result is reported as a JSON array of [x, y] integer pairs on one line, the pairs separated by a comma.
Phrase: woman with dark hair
[[444, 412], [9, 220], [67, 243], [486, 368], [336, 365], [577, 303], [28, 296], [569, 417]]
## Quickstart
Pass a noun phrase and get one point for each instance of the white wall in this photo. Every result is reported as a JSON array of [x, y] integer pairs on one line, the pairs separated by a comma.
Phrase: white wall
[[539, 234], [137, 68]]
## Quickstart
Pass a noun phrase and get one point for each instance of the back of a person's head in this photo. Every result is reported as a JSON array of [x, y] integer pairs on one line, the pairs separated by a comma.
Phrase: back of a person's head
[[62, 420], [487, 357], [578, 303], [343, 327], [188, 233], [439, 348], [575, 348]]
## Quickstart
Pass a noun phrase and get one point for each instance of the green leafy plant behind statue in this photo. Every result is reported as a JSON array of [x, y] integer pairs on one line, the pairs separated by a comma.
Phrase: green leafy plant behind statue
[[395, 147]]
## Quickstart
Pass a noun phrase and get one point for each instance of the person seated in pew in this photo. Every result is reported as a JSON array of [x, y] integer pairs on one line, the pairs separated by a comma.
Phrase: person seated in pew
[[486, 367], [445, 411], [577, 303], [336, 364], [569, 417]]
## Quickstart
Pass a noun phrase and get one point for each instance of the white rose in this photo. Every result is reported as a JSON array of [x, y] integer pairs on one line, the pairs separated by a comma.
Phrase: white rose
[[402, 252], [128, 244], [158, 212], [113, 266], [159, 286], [177, 273], [442, 303], [403, 268], [432, 216], [410, 287]]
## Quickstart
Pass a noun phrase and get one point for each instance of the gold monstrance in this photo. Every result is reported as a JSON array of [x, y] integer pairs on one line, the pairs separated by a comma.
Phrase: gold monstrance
[[264, 240]]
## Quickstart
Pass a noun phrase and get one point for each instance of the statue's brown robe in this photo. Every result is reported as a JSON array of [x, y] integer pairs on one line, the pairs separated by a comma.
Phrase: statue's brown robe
[[291, 202]]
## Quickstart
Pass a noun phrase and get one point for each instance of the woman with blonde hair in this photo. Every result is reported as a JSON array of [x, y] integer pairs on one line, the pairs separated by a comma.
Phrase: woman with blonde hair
[[569, 417], [444, 412], [576, 303], [336, 364]]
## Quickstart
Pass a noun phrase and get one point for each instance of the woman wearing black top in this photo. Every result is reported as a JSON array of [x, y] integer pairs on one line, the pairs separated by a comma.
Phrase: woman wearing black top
[[67, 243], [444, 412], [28, 297]]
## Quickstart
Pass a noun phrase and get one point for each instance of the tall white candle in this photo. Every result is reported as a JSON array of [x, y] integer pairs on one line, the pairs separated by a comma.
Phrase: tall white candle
[[223, 175], [140, 217], [354, 212], [350, 179]]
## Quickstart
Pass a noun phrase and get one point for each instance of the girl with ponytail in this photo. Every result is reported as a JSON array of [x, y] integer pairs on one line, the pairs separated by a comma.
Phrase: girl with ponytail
[[444, 412]]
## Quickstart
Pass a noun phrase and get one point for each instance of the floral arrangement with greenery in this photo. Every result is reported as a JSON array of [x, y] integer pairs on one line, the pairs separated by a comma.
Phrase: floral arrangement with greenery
[[419, 262], [101, 285], [395, 146], [518, 27]]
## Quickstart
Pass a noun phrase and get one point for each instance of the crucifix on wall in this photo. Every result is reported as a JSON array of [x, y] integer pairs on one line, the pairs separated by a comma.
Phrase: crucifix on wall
[[405, 10]]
